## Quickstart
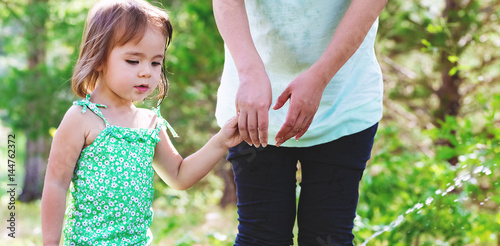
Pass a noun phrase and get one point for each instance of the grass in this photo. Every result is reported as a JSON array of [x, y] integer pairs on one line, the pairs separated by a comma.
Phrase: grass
[[214, 226], [28, 226]]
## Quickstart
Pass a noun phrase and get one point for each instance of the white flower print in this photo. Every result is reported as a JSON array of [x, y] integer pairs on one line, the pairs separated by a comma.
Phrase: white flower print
[[112, 188]]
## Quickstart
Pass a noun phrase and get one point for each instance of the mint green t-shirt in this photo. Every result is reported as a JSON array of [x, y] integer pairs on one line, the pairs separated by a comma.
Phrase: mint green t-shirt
[[290, 36]]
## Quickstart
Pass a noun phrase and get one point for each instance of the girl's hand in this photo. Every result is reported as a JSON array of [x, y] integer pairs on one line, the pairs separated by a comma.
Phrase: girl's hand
[[305, 94], [230, 134]]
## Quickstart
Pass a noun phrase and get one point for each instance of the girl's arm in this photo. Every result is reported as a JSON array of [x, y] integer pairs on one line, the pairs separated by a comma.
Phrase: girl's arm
[[254, 96], [182, 173], [307, 89], [66, 147]]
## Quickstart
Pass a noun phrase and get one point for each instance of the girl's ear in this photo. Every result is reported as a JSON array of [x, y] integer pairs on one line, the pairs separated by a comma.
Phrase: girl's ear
[[100, 67]]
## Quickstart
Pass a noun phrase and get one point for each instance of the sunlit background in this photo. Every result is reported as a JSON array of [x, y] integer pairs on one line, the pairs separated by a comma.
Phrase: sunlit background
[[434, 174]]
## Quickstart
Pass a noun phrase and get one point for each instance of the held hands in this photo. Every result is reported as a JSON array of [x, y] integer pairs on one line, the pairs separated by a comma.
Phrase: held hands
[[230, 134]]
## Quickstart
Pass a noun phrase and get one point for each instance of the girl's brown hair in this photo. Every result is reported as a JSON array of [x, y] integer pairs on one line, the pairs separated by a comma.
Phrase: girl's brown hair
[[113, 23]]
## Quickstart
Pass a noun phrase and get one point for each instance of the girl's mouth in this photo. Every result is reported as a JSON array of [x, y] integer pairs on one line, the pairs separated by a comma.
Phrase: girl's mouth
[[142, 88]]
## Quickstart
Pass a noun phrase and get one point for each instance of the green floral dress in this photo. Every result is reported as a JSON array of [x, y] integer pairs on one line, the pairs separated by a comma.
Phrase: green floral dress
[[112, 186]]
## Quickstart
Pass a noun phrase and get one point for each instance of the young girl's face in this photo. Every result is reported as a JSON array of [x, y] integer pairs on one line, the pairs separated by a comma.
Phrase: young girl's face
[[132, 71]]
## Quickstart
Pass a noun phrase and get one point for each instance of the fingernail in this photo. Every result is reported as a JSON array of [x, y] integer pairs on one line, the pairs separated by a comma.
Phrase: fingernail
[[264, 145]]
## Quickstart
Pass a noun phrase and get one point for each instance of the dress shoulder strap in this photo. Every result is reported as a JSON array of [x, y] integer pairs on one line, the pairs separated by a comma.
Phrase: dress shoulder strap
[[86, 103], [162, 122]]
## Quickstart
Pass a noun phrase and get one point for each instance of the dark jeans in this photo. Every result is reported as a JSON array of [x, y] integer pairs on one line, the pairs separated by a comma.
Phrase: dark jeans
[[266, 186]]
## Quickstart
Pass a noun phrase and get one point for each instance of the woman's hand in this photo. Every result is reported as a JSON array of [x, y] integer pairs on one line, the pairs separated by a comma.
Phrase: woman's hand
[[305, 94], [253, 100]]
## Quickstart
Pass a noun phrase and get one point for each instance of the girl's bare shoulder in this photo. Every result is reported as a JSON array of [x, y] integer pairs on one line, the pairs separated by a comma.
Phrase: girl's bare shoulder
[[148, 117], [85, 126]]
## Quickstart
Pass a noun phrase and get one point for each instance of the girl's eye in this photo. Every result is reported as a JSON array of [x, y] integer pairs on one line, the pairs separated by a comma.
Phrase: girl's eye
[[132, 62], [156, 64]]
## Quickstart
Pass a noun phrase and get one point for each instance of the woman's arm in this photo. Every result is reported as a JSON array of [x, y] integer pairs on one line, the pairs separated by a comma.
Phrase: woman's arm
[[306, 90], [254, 96], [66, 147], [182, 173]]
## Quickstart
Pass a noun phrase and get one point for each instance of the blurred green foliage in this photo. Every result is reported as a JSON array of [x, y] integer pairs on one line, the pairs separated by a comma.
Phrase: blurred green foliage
[[194, 61], [459, 205], [35, 93], [410, 194]]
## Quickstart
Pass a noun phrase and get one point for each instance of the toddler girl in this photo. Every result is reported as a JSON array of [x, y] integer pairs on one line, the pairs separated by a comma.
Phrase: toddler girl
[[105, 146]]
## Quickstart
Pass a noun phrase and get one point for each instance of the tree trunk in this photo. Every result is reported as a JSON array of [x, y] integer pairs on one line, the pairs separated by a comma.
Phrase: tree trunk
[[35, 166], [229, 194], [37, 144], [448, 94]]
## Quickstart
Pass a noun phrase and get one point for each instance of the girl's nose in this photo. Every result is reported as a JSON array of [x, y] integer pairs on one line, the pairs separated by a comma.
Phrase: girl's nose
[[145, 72]]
